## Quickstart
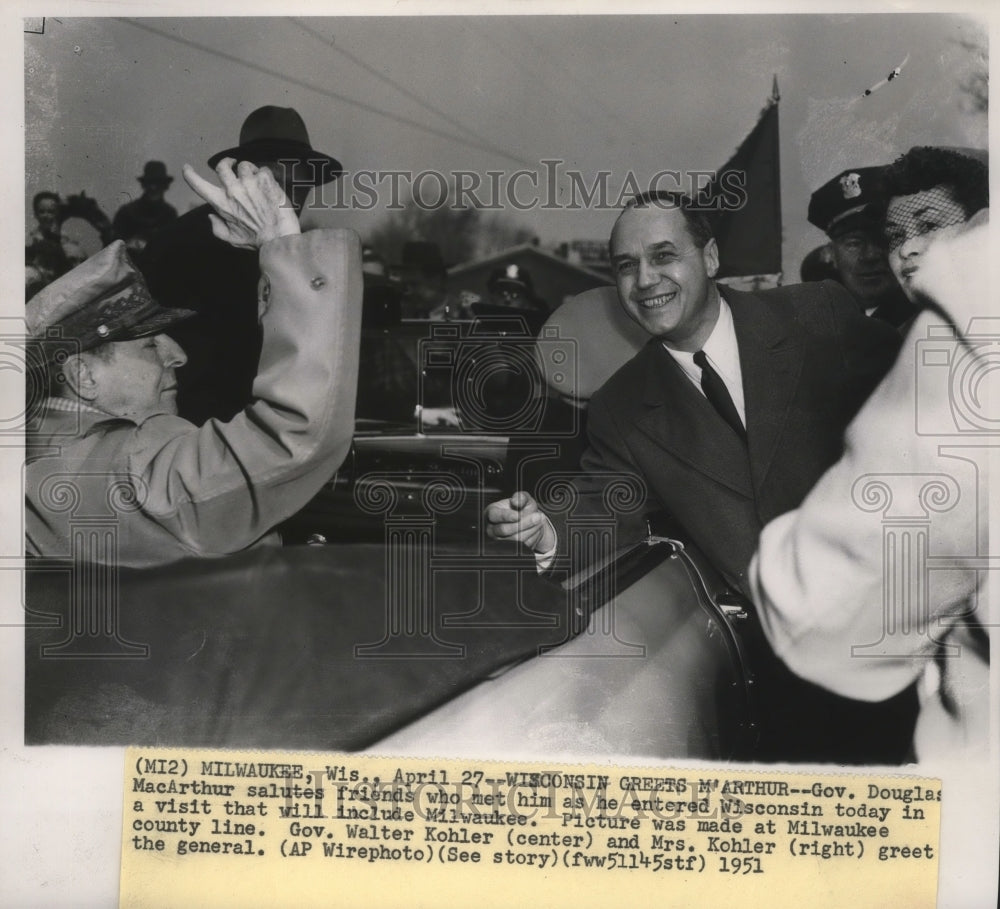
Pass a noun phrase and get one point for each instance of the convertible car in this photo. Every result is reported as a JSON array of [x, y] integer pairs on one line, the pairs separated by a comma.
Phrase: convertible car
[[456, 408], [341, 646], [389, 621]]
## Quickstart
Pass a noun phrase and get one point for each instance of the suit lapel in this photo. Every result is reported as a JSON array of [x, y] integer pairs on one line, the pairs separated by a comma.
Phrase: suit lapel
[[690, 428], [771, 362]]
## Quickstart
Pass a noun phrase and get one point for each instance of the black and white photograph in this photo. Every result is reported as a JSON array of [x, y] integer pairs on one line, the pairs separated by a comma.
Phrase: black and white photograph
[[612, 385]]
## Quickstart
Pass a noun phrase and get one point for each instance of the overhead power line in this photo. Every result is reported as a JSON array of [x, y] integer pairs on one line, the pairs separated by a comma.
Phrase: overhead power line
[[402, 89], [337, 96]]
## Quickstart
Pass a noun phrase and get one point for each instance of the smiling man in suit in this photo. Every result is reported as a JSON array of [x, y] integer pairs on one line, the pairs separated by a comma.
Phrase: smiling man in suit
[[728, 416]]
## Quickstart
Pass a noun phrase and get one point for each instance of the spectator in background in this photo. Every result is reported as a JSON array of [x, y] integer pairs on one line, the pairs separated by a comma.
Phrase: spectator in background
[[186, 266], [49, 252], [510, 287], [843, 208], [511, 296], [136, 221]]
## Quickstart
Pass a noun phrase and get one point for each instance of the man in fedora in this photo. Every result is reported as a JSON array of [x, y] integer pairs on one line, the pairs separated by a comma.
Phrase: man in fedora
[[136, 221], [185, 265], [106, 442], [276, 138]]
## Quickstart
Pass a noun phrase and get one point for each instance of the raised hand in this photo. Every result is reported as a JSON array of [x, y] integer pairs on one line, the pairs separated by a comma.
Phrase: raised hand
[[250, 207]]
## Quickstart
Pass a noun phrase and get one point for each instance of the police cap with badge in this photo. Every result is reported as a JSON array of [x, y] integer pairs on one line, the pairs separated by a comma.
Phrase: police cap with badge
[[511, 277], [853, 196]]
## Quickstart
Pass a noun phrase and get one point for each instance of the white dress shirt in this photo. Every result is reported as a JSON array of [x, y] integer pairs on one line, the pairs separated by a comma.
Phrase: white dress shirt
[[723, 353]]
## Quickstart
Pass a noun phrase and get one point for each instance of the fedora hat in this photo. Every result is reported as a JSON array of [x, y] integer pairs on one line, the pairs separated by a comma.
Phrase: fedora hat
[[155, 172], [279, 134]]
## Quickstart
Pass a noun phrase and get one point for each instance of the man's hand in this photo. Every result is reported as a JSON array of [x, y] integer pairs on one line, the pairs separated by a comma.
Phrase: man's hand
[[250, 206], [520, 520]]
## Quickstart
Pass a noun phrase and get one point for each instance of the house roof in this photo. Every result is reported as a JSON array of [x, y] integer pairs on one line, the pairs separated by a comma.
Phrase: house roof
[[553, 278], [524, 249]]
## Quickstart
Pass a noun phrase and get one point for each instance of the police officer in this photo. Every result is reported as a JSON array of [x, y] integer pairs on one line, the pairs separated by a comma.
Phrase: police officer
[[848, 209]]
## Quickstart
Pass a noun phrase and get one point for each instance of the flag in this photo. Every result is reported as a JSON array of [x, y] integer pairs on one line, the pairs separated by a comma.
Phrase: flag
[[747, 221]]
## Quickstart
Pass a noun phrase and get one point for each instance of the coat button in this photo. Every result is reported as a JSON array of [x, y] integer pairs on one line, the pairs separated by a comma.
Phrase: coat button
[[317, 283]]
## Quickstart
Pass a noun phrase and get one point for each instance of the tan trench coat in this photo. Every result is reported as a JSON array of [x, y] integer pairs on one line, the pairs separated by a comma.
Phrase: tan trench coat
[[104, 489]]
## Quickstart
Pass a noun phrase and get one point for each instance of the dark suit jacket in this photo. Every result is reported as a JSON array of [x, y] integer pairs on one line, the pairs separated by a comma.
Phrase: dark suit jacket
[[186, 266], [808, 359]]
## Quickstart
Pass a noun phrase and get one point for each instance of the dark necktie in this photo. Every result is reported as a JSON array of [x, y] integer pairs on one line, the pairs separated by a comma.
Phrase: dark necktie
[[718, 395]]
